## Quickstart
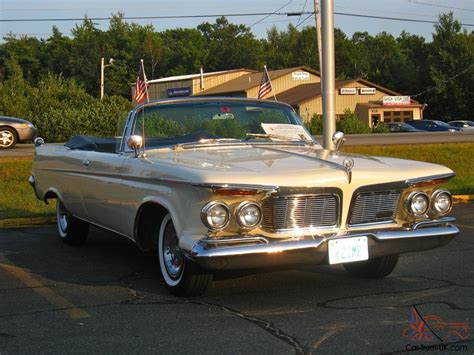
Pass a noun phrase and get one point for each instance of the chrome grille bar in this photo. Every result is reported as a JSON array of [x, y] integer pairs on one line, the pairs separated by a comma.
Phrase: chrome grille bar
[[374, 207], [286, 213]]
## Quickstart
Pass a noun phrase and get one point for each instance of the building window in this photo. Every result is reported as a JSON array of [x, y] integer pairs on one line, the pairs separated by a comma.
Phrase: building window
[[397, 116]]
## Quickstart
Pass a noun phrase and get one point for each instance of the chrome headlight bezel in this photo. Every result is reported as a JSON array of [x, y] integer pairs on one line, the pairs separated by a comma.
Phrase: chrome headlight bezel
[[409, 203], [240, 218], [434, 196], [205, 216]]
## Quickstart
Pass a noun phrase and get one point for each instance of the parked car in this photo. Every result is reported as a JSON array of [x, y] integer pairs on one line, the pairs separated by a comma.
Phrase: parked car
[[400, 127], [213, 184], [433, 126], [464, 124], [14, 130]]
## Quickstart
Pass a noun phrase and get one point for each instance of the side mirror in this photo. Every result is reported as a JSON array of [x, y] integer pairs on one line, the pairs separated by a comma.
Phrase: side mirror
[[135, 142], [338, 139], [38, 142]]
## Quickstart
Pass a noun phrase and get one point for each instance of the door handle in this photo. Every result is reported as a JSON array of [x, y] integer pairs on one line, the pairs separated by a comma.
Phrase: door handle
[[86, 163]]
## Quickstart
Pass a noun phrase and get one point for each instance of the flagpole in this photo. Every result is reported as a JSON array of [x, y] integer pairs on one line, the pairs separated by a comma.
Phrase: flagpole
[[146, 86], [270, 80], [143, 108]]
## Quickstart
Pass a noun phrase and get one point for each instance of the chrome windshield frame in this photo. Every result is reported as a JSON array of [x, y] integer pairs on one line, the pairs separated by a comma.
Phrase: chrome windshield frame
[[133, 116]]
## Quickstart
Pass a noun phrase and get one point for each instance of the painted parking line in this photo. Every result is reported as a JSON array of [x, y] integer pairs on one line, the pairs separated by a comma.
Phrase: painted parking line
[[49, 295]]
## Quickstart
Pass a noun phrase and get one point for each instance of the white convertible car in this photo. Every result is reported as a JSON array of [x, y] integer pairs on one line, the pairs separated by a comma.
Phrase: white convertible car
[[227, 183]]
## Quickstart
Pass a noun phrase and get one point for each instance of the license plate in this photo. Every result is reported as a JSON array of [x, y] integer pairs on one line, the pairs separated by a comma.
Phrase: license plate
[[346, 250]]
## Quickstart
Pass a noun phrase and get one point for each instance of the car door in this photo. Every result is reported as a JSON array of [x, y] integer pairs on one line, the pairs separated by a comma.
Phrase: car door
[[101, 191]]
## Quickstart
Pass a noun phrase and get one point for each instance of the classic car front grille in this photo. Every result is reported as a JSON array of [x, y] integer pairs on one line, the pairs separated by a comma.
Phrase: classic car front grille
[[374, 207], [286, 213]]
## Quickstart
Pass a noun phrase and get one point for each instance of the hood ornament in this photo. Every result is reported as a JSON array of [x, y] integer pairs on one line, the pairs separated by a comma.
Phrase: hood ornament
[[348, 164]]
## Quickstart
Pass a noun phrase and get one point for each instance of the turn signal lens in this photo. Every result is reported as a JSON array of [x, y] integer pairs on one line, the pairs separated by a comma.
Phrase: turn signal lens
[[418, 203], [249, 214], [441, 202], [215, 215]]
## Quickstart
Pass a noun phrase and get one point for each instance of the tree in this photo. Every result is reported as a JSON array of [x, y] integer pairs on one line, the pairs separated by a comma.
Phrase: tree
[[451, 66], [230, 46]]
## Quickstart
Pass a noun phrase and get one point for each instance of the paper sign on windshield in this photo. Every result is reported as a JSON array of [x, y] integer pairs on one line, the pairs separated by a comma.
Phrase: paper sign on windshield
[[286, 130]]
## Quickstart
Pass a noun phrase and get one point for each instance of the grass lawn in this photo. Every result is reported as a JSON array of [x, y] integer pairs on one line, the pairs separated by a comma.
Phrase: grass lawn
[[457, 156], [18, 200]]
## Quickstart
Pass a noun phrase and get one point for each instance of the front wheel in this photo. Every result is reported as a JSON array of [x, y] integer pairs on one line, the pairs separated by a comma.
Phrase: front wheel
[[373, 268], [7, 138], [71, 230], [182, 276]]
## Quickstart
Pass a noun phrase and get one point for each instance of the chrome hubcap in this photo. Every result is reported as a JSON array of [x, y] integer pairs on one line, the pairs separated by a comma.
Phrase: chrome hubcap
[[172, 254], [6, 138]]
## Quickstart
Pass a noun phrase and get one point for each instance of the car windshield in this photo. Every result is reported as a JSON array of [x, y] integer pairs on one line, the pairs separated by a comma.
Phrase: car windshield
[[216, 121], [470, 123], [407, 127], [443, 124]]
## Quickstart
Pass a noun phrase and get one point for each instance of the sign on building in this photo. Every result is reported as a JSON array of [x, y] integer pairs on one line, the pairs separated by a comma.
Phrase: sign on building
[[175, 92], [300, 75], [396, 100], [348, 91], [367, 91]]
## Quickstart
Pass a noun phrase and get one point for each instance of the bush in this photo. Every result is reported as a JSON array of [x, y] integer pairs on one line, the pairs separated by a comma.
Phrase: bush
[[315, 125], [380, 128], [60, 108], [351, 124]]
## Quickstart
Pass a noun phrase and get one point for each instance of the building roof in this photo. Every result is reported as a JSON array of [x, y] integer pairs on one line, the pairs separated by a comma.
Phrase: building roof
[[249, 81], [305, 92], [193, 76]]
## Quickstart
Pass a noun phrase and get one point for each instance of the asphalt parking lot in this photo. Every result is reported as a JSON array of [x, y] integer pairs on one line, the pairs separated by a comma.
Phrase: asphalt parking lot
[[107, 297]]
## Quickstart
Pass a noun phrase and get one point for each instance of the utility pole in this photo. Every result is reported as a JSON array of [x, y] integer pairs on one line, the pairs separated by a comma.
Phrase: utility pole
[[317, 19], [328, 72], [102, 67]]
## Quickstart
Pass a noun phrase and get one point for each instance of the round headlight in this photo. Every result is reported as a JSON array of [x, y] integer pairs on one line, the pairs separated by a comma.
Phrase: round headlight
[[441, 202], [215, 215], [418, 203], [249, 214]]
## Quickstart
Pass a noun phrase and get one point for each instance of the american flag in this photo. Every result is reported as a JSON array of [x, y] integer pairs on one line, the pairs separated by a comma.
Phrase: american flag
[[142, 86], [265, 85]]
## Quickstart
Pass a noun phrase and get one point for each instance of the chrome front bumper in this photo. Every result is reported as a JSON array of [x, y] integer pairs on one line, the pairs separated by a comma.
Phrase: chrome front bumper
[[256, 252]]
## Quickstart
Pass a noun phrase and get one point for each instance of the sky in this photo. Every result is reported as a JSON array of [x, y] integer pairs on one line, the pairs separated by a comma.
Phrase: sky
[[426, 10]]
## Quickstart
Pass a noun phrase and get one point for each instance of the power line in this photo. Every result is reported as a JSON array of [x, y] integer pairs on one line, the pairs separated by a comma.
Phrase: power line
[[267, 16], [396, 18], [305, 20], [151, 17], [225, 15], [299, 18], [443, 82], [441, 6]]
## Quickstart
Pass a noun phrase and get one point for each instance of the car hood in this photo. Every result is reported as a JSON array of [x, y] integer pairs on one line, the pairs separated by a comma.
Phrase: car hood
[[284, 166], [13, 120]]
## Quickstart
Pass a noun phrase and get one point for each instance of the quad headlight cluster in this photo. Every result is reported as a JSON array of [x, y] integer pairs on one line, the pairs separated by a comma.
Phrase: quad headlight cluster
[[216, 215], [419, 203]]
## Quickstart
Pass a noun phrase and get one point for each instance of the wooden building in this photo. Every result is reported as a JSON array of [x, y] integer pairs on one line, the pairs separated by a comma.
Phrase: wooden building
[[300, 87]]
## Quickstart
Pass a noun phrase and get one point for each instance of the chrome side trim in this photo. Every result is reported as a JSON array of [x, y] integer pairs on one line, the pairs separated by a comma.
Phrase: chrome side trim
[[411, 182], [211, 185]]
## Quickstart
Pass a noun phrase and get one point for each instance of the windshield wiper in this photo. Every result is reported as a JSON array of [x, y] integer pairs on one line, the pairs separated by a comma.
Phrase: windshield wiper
[[276, 136], [206, 141]]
